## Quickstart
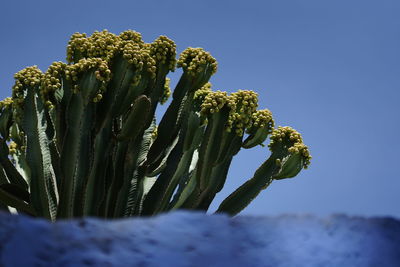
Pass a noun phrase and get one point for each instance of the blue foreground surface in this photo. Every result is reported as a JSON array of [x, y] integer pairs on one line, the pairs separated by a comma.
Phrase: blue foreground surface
[[196, 239]]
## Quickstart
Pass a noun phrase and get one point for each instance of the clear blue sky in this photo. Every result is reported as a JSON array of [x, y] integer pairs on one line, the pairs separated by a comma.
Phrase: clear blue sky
[[330, 69]]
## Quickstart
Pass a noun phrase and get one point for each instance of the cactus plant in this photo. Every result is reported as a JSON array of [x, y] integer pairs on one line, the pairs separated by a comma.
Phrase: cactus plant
[[81, 139]]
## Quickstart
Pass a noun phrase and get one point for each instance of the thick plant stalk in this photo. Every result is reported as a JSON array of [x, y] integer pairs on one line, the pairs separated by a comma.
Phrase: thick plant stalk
[[178, 165], [42, 180]]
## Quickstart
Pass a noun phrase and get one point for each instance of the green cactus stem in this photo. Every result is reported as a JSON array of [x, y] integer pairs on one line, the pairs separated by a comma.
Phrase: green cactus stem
[[289, 156]]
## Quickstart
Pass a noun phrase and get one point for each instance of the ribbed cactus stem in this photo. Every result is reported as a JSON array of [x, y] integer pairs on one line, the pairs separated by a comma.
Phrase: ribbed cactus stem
[[198, 66]]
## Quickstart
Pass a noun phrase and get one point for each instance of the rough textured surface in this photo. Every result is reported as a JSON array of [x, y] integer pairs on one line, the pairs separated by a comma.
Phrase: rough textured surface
[[194, 239]]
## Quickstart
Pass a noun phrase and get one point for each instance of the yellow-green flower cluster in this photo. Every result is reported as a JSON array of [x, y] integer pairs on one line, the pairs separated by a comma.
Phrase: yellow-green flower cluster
[[12, 147], [28, 77], [167, 91], [149, 64], [242, 105], [196, 60], [215, 101], [131, 35], [139, 58], [163, 50], [100, 44], [154, 133], [200, 95], [51, 80], [77, 46], [291, 139], [6, 102], [132, 53], [129, 44], [246, 104], [262, 119], [101, 70]]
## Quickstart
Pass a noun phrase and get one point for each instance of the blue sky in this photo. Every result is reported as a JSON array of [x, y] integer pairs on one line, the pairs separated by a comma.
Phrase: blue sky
[[330, 69]]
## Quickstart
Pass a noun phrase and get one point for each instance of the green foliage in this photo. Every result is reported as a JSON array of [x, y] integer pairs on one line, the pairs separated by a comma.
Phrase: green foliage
[[81, 139]]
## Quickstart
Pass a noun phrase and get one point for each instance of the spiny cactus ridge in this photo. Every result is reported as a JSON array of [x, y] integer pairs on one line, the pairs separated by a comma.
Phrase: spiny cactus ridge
[[81, 139]]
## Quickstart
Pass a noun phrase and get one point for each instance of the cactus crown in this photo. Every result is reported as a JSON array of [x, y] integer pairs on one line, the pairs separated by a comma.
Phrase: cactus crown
[[196, 60], [167, 91], [130, 35], [291, 139], [241, 117], [29, 77], [6, 102], [100, 44], [12, 147], [261, 119], [215, 101], [52, 80], [76, 71], [163, 50]]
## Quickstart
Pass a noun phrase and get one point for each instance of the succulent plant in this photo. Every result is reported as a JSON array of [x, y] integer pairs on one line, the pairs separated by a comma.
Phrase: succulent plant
[[81, 139]]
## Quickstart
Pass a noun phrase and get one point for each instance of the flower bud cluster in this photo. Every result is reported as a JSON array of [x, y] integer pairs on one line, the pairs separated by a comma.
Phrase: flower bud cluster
[[139, 58], [154, 133], [77, 47], [142, 56], [293, 140], [28, 77], [262, 119], [215, 101], [130, 35], [196, 60], [51, 80], [12, 147], [163, 50], [200, 95], [167, 91], [149, 64], [131, 52], [241, 117], [6, 102], [100, 44], [102, 72]]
